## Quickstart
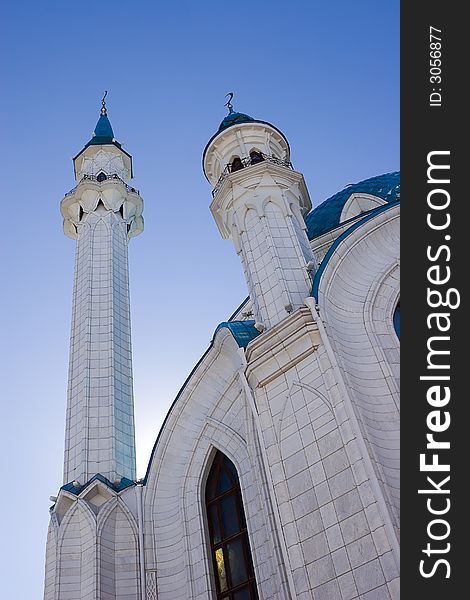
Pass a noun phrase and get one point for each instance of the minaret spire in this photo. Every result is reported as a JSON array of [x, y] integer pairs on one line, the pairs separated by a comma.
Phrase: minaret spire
[[101, 213], [92, 545]]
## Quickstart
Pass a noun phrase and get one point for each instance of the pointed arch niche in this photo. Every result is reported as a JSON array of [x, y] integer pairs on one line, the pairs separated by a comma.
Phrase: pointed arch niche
[[230, 548], [118, 557]]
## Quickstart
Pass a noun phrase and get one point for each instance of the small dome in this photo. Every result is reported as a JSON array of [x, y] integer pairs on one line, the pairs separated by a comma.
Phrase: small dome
[[234, 118], [326, 216]]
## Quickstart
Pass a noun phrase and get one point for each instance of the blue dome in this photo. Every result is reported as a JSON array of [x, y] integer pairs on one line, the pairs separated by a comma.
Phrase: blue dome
[[326, 216], [234, 118]]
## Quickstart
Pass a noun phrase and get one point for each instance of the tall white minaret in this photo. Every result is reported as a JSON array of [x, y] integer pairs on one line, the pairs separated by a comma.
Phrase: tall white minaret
[[101, 213], [259, 202]]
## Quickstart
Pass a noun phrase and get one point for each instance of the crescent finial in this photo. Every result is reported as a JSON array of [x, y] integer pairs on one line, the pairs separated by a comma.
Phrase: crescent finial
[[229, 104], [104, 112]]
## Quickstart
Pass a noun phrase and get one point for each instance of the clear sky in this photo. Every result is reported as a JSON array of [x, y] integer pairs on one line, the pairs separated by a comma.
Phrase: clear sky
[[325, 73]]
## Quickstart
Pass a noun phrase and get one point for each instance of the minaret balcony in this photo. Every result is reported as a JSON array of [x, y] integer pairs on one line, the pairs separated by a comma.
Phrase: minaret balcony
[[115, 195], [238, 164], [100, 178]]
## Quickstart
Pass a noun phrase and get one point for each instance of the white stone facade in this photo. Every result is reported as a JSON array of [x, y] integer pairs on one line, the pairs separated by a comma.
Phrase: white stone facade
[[307, 411]]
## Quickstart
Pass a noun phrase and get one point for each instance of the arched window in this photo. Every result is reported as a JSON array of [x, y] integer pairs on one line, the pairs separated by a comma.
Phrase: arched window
[[101, 176], [256, 157], [396, 320], [236, 164], [230, 549]]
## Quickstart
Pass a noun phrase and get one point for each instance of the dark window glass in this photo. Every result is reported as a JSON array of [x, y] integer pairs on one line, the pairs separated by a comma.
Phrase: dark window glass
[[101, 177], [230, 467], [214, 519], [236, 558], [230, 549], [224, 482], [396, 320], [236, 164], [229, 514], [243, 594], [256, 157]]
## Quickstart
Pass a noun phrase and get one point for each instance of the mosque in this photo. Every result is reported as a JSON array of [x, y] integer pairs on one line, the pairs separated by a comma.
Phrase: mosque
[[276, 472]]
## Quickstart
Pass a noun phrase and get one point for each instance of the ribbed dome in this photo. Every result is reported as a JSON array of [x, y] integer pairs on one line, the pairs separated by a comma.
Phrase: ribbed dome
[[326, 216]]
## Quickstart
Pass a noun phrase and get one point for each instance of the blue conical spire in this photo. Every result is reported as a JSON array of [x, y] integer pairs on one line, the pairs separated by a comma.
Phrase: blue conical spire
[[103, 133]]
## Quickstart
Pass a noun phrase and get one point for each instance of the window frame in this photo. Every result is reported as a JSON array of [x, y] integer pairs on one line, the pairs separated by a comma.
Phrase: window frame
[[221, 463]]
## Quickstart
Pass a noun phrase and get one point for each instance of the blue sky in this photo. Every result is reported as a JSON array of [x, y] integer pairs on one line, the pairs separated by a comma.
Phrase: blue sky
[[325, 73]]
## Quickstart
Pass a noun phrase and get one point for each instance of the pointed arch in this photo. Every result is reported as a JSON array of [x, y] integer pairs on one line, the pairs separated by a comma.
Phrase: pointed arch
[[278, 202], [228, 537], [51, 560], [77, 553], [256, 156], [303, 401], [245, 217], [236, 164], [118, 563], [99, 223], [85, 514]]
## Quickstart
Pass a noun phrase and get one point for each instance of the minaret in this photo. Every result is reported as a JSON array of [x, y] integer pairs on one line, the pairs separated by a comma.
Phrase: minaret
[[259, 202], [101, 213]]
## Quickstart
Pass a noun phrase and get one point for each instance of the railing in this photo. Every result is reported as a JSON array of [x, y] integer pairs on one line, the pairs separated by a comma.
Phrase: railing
[[248, 161], [100, 178]]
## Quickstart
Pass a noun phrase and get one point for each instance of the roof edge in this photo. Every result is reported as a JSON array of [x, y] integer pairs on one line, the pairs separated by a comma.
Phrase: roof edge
[[224, 325], [374, 212]]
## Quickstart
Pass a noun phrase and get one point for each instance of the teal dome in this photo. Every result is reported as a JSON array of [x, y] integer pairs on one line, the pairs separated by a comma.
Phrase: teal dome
[[326, 216], [234, 118]]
